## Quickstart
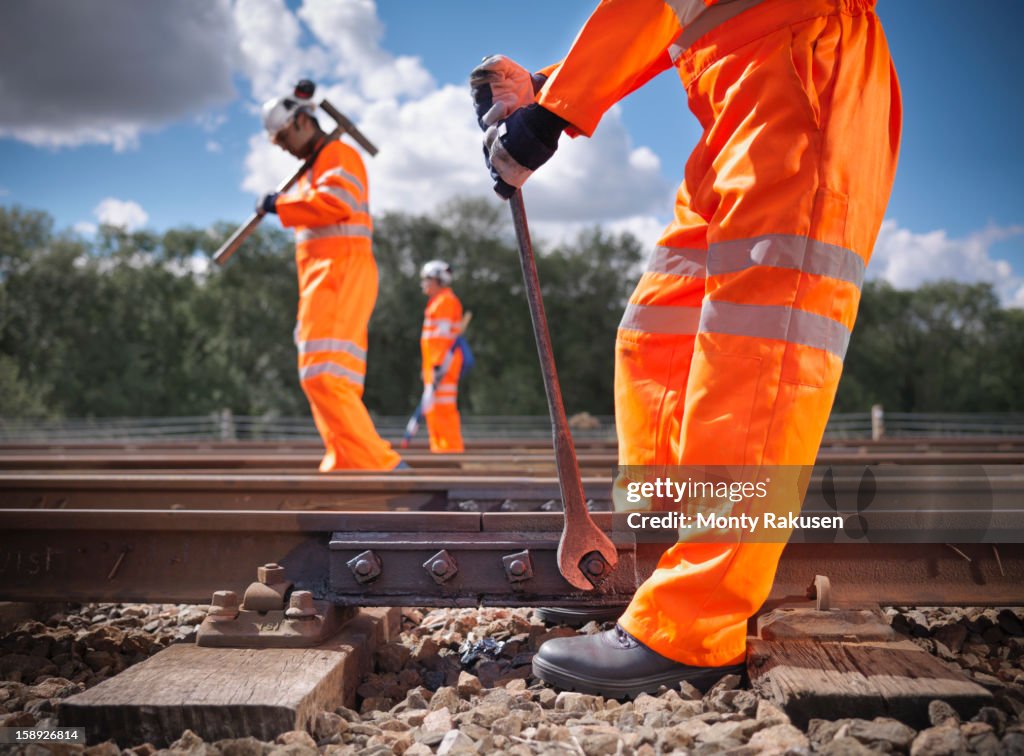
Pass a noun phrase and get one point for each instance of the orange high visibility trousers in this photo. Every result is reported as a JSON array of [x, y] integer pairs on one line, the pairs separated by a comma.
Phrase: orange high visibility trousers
[[731, 347], [336, 299], [441, 325], [329, 210]]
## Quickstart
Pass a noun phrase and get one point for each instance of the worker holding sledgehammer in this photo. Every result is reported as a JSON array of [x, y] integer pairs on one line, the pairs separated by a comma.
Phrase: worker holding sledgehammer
[[731, 346], [329, 210]]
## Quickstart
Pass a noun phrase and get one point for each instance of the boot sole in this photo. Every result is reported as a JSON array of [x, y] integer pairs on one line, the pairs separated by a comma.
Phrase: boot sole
[[563, 679], [578, 617]]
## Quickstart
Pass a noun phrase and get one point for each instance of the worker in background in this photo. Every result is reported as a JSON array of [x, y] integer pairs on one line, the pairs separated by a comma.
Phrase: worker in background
[[442, 326], [329, 210], [731, 346]]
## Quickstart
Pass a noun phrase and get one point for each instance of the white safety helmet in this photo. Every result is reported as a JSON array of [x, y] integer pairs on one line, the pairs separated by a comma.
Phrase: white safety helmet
[[437, 269], [279, 112]]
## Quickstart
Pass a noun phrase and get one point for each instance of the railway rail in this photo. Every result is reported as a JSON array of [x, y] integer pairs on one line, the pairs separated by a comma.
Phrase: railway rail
[[177, 535]]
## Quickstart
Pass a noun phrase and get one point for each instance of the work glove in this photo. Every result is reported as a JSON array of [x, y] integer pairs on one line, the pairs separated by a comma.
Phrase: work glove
[[520, 144], [500, 86], [267, 203]]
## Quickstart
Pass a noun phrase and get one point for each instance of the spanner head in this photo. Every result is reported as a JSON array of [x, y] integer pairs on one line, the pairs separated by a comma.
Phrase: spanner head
[[586, 556]]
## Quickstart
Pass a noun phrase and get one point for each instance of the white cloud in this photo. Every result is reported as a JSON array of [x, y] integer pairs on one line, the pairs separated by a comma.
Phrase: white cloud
[[103, 71], [268, 36], [352, 31], [907, 259], [600, 180], [122, 213], [85, 228], [266, 165], [429, 151], [212, 145]]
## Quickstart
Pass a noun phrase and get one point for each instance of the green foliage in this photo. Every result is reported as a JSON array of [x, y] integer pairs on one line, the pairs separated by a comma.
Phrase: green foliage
[[945, 347], [141, 324], [138, 323]]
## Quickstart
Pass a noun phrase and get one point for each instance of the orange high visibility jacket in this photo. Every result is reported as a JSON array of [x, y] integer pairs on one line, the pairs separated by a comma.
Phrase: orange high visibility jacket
[[329, 206], [441, 326], [622, 47]]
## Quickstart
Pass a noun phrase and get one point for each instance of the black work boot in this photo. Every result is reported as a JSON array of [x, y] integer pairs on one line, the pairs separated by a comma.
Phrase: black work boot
[[614, 664]]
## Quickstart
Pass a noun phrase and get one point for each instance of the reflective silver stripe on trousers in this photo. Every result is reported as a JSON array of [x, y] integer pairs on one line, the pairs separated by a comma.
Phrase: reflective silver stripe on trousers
[[678, 261], [775, 322], [787, 251], [334, 230], [661, 319], [331, 345], [345, 196], [330, 368], [344, 174]]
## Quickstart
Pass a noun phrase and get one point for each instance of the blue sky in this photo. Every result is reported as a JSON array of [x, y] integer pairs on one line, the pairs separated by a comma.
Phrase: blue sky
[[158, 128]]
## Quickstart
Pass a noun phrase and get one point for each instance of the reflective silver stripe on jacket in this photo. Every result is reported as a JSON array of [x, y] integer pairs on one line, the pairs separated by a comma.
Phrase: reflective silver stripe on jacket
[[698, 19], [445, 400], [775, 322], [686, 10], [678, 261], [331, 345], [343, 174], [663, 319], [787, 251], [330, 368], [345, 196], [440, 327], [349, 230]]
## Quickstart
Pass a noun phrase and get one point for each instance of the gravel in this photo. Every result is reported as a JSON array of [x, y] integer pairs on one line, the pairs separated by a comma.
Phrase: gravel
[[459, 681]]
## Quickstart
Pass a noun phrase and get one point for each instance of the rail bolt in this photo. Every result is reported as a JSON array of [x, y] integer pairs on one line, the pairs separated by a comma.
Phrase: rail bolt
[[518, 566], [366, 567], [441, 567], [224, 606], [594, 565], [300, 605], [269, 574]]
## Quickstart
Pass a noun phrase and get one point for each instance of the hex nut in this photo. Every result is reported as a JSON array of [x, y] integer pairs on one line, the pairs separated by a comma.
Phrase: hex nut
[[269, 574], [366, 566], [518, 566], [442, 567], [300, 605], [226, 600]]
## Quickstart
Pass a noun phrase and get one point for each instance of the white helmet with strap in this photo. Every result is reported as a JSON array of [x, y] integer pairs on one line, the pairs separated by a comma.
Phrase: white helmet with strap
[[437, 269], [279, 111]]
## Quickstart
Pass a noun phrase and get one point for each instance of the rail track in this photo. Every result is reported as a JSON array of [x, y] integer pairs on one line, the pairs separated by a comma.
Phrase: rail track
[[174, 522]]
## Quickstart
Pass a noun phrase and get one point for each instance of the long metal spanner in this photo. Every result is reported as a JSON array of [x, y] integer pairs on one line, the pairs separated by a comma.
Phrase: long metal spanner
[[585, 553]]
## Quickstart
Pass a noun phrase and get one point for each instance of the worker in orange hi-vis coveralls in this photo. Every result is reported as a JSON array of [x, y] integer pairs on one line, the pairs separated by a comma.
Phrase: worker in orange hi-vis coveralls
[[329, 210], [441, 327], [731, 346]]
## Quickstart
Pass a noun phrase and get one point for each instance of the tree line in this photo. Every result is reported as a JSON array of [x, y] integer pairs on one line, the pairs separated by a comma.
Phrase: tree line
[[135, 324]]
